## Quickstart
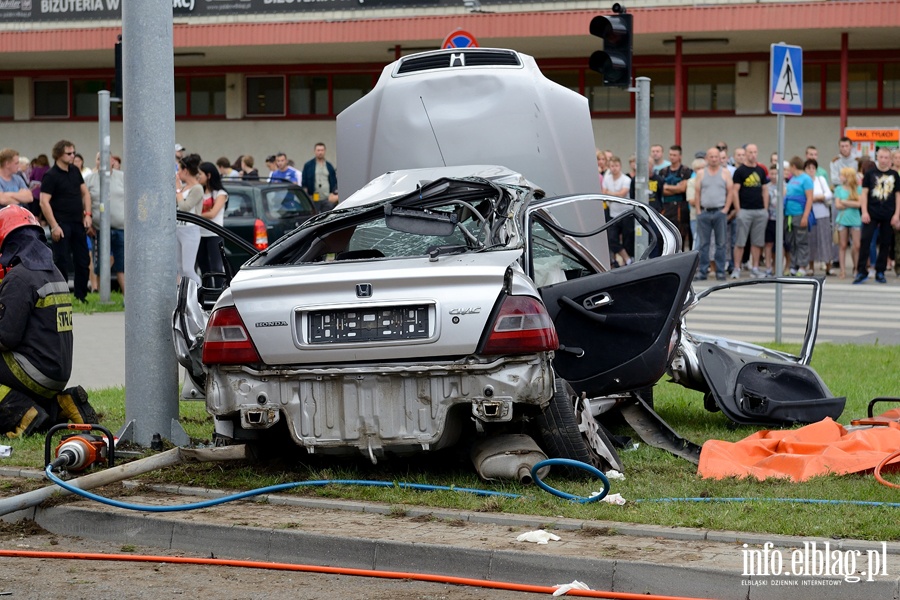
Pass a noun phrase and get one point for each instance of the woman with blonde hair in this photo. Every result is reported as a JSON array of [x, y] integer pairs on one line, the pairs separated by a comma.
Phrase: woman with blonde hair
[[848, 220]]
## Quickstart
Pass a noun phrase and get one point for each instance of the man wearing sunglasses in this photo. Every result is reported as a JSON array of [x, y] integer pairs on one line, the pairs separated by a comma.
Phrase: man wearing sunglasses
[[66, 204]]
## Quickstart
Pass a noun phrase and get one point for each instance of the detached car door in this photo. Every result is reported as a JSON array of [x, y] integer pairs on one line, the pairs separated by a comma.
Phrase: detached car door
[[617, 328]]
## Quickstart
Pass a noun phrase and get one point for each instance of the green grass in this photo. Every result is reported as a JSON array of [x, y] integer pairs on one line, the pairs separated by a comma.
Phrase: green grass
[[93, 305], [858, 372]]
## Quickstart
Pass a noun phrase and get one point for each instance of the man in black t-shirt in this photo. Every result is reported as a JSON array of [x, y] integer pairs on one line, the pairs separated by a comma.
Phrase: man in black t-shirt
[[674, 195], [880, 210], [750, 198], [66, 204]]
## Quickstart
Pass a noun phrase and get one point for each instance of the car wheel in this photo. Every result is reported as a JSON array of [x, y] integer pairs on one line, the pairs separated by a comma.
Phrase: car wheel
[[568, 430]]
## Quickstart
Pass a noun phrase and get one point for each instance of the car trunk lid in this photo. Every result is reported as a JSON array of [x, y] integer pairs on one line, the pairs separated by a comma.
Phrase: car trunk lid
[[390, 309]]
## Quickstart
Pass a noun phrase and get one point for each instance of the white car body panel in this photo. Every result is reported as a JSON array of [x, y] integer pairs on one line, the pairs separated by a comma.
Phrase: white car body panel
[[469, 114]]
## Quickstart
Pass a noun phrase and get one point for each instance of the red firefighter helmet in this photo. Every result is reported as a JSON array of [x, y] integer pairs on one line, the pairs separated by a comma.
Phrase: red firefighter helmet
[[14, 216]]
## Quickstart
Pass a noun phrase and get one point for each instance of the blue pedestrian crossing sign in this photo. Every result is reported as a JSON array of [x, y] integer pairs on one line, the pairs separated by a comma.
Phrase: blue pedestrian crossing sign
[[786, 80]]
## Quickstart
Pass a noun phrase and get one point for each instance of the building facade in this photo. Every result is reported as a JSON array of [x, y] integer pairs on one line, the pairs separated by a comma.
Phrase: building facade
[[260, 76]]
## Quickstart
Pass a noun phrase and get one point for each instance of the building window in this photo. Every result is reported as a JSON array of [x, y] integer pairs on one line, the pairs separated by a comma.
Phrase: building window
[[207, 96], [602, 99], [710, 88], [84, 96], [181, 97], [265, 96], [6, 99], [890, 95], [862, 87], [347, 89], [309, 94], [567, 79], [812, 87], [662, 88], [51, 99]]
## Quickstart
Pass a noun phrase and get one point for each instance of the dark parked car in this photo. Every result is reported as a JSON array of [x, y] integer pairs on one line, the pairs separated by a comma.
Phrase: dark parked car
[[261, 212]]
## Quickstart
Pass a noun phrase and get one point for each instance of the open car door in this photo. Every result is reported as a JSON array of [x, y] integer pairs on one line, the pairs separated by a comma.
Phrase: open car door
[[617, 329], [749, 383]]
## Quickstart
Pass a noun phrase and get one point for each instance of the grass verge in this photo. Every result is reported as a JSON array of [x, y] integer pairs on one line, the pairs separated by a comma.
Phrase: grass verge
[[94, 305], [858, 372]]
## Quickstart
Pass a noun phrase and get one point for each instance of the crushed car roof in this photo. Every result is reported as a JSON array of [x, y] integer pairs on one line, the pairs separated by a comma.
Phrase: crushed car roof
[[400, 183]]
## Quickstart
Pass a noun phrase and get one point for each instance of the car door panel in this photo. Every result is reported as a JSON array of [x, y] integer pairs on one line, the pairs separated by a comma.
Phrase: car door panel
[[615, 328]]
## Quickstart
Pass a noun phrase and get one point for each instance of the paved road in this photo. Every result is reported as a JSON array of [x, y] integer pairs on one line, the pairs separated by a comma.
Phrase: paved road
[[858, 314]]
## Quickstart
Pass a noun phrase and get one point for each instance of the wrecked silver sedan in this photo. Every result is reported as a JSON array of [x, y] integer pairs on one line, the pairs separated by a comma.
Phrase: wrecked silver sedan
[[436, 305]]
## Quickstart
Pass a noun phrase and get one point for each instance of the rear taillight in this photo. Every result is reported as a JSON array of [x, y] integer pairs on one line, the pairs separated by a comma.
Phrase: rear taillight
[[226, 341], [522, 326], [260, 236]]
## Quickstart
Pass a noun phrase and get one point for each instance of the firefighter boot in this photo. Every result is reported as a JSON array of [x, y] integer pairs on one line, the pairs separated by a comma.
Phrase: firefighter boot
[[19, 414], [74, 407]]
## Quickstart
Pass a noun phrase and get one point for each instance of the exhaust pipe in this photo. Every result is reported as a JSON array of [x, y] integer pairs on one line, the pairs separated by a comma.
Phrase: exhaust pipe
[[510, 456]]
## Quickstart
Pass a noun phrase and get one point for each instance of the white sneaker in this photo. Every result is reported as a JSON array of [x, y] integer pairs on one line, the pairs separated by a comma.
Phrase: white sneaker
[[801, 273], [755, 274], [736, 274]]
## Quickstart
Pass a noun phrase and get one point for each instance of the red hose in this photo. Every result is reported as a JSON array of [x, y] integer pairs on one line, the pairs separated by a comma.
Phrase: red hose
[[250, 564], [881, 465]]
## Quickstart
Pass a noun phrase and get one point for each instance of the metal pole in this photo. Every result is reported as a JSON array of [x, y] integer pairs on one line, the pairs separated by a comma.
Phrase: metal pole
[[103, 237], [642, 155], [151, 376], [779, 229], [679, 82]]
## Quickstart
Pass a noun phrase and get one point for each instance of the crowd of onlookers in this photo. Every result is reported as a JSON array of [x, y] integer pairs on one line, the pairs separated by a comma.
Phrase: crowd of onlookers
[[63, 192], [840, 216]]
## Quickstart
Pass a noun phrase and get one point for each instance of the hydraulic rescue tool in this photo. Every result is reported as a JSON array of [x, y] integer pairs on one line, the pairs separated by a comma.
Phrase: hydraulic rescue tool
[[80, 451]]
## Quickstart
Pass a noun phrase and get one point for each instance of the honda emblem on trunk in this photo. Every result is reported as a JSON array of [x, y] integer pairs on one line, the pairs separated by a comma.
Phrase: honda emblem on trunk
[[363, 290]]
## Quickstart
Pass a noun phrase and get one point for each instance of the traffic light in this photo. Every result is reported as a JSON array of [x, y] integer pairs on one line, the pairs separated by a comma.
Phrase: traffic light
[[117, 84], [614, 61]]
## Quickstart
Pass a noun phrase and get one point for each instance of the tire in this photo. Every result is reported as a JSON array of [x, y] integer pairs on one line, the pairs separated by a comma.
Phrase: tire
[[566, 432]]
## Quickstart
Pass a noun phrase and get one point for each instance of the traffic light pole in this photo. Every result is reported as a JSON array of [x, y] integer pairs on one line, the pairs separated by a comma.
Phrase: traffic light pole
[[642, 154]]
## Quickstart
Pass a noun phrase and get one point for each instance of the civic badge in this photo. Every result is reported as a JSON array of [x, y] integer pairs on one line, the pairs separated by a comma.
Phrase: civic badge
[[363, 290]]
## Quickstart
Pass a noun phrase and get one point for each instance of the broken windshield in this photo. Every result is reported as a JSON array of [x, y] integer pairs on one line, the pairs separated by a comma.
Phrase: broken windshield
[[446, 216]]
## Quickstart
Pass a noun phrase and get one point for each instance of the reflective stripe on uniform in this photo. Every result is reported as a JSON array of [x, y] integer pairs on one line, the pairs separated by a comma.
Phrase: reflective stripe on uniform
[[54, 300], [53, 287], [30, 377]]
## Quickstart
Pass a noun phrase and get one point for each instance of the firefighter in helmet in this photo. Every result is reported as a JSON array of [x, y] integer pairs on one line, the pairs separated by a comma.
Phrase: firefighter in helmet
[[35, 333]]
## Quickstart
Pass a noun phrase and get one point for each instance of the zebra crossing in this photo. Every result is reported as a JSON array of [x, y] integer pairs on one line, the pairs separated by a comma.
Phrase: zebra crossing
[[860, 314]]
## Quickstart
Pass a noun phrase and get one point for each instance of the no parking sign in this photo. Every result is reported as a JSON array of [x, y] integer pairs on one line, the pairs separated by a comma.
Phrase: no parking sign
[[459, 39]]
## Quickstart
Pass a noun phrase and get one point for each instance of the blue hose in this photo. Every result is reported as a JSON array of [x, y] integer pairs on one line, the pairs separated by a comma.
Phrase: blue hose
[[567, 462], [264, 490], [323, 482]]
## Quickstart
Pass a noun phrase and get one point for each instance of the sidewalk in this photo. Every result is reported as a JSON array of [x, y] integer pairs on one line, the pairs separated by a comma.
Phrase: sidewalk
[[99, 351], [606, 555]]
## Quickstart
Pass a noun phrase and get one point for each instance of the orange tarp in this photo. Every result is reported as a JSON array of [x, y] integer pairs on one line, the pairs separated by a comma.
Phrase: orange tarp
[[818, 449]]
